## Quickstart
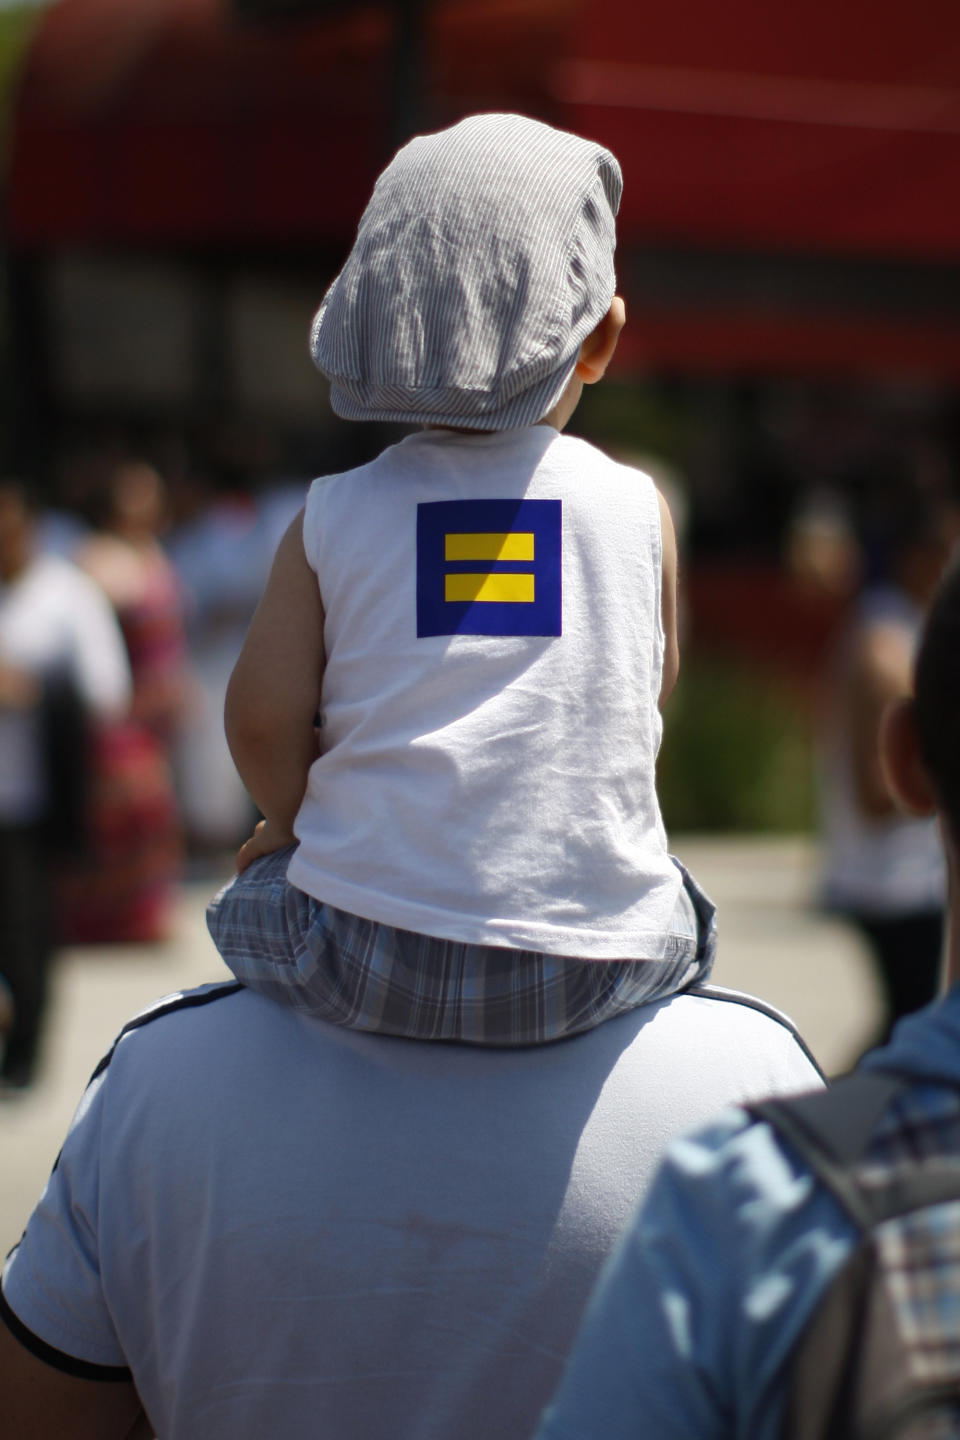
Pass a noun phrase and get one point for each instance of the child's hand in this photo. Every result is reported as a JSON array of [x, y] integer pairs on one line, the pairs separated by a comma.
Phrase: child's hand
[[265, 839]]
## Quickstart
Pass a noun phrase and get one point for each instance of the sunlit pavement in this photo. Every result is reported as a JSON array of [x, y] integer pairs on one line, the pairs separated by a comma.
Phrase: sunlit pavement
[[772, 943]]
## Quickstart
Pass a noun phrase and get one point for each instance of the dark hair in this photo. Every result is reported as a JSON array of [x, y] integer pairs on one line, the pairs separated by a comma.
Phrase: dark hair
[[23, 491], [937, 692]]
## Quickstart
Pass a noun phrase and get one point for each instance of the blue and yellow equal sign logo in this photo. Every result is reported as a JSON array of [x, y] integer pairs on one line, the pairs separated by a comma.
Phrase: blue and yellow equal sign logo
[[489, 567]]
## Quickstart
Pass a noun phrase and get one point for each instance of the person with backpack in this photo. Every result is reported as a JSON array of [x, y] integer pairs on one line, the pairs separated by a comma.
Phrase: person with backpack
[[794, 1271]]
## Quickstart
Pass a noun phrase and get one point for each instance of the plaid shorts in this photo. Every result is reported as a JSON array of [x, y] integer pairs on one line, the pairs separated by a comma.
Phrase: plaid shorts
[[284, 944]]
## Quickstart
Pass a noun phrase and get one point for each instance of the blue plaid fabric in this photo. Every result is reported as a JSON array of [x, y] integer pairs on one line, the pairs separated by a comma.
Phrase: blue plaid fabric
[[920, 1251], [367, 976]]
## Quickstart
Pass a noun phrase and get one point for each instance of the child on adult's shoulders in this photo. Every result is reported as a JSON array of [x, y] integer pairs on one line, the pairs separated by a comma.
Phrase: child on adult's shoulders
[[484, 619]]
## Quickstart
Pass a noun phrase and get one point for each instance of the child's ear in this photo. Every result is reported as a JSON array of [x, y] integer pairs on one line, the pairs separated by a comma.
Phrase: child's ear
[[903, 767], [596, 352]]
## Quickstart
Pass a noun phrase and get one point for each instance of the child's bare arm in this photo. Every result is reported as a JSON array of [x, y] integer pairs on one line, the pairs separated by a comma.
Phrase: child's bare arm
[[668, 602], [274, 692]]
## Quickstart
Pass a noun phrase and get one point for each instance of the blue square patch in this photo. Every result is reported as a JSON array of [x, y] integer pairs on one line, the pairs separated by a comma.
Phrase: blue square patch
[[489, 567]]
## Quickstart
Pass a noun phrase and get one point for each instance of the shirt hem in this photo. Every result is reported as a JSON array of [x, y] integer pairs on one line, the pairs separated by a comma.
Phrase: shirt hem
[[59, 1359], [505, 934]]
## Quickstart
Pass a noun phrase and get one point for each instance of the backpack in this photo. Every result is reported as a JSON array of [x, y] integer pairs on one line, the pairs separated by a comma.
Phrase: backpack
[[880, 1355]]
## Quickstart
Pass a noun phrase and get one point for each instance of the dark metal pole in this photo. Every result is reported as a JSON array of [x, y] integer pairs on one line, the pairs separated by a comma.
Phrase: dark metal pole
[[406, 114]]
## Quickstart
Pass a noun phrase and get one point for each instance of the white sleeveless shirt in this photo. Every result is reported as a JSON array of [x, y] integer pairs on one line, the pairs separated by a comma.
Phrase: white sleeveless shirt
[[490, 726]]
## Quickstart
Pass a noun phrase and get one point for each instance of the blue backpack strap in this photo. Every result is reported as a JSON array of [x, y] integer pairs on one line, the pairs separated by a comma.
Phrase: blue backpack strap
[[831, 1130], [850, 1373]]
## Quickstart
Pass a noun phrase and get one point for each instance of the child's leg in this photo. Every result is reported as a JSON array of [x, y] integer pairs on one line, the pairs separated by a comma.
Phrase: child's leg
[[355, 972], [358, 973], [694, 920], [254, 921], [601, 989], [372, 977]]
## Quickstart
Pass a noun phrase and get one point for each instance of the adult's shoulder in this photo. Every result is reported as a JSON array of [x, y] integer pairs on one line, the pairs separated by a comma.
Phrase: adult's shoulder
[[745, 1008], [173, 1009], [716, 1011], [168, 1046], [710, 1048], [684, 1058]]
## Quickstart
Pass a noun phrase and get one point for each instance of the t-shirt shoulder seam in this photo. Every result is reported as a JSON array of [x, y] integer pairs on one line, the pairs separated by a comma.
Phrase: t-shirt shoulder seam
[[751, 1002], [169, 1005]]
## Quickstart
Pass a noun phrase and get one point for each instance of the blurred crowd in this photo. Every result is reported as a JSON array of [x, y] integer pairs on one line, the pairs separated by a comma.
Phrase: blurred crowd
[[881, 547], [120, 618], [123, 605], [183, 564]]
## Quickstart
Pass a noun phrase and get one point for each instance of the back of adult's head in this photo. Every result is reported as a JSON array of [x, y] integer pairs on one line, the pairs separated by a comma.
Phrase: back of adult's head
[[937, 696], [482, 262]]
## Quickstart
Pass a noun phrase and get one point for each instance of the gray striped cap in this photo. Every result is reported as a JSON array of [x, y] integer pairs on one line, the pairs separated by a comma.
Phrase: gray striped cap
[[483, 260]]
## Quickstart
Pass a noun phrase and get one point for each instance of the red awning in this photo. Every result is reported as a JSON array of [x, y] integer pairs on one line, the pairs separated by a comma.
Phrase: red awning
[[824, 127], [171, 122], [813, 130]]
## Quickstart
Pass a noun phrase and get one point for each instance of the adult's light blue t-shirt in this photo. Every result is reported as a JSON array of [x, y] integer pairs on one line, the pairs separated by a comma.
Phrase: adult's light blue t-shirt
[[283, 1228]]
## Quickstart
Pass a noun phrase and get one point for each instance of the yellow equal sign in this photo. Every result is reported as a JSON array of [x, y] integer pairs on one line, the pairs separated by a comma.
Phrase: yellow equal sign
[[492, 588], [495, 589], [505, 545]]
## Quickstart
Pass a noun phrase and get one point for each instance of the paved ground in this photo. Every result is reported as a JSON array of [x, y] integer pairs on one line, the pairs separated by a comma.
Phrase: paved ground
[[772, 944]]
